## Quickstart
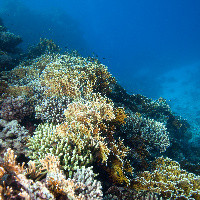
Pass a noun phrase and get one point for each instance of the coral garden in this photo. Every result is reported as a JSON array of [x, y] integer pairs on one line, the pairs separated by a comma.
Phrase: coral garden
[[68, 130]]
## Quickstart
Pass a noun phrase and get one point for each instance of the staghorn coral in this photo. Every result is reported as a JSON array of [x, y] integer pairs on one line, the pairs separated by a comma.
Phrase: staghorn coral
[[13, 135], [15, 108], [169, 180]]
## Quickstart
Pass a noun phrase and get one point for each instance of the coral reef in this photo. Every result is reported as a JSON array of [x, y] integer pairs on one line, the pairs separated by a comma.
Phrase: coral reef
[[51, 109], [17, 186], [118, 193], [15, 108], [169, 180], [44, 46], [13, 135], [153, 132], [45, 140], [69, 120], [9, 53]]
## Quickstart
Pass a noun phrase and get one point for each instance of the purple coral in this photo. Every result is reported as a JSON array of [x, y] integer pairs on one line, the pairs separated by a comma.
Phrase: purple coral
[[15, 108]]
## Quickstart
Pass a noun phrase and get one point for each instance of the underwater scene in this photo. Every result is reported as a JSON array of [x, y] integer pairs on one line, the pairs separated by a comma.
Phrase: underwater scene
[[99, 99]]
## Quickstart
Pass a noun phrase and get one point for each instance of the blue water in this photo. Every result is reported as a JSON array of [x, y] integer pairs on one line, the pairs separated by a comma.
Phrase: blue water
[[151, 47]]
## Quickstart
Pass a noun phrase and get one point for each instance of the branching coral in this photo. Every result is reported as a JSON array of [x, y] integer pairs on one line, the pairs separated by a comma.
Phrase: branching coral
[[169, 180], [51, 109], [155, 133], [75, 77], [83, 185], [14, 183], [45, 140]]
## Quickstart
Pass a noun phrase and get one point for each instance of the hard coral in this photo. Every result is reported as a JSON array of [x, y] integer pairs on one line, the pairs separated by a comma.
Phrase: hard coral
[[15, 185], [44, 46], [83, 185], [46, 140], [169, 180], [75, 77], [15, 108], [52, 109], [155, 133], [13, 135]]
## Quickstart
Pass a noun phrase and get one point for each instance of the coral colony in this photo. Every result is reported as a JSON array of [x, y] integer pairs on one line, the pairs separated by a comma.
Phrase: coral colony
[[70, 131]]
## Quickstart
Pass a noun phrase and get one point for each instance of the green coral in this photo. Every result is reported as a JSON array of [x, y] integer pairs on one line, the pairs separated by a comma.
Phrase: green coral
[[45, 140]]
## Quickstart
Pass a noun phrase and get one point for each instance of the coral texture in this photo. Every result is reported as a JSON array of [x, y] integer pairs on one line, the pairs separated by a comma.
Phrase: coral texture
[[52, 109], [17, 186], [169, 180], [45, 140], [13, 135], [154, 132], [15, 109]]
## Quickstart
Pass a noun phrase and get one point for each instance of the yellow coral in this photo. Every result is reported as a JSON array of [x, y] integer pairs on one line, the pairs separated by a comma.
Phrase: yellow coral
[[169, 180], [117, 172], [120, 116]]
